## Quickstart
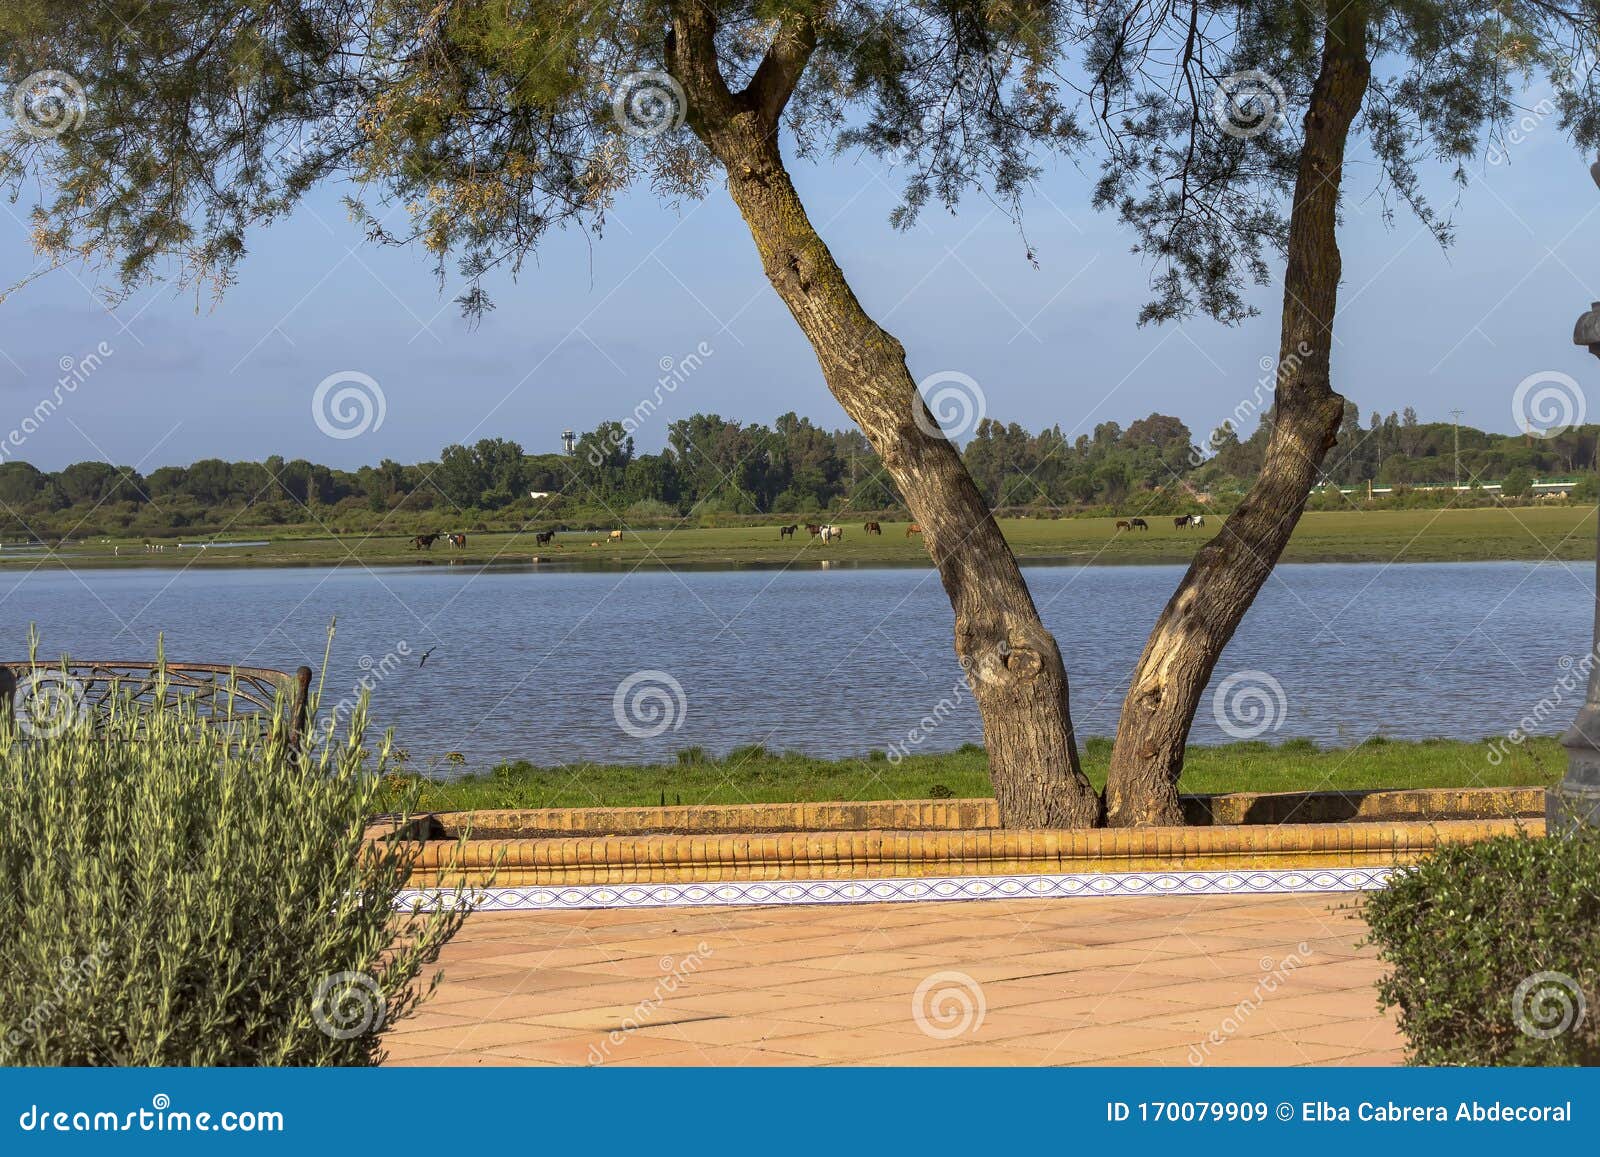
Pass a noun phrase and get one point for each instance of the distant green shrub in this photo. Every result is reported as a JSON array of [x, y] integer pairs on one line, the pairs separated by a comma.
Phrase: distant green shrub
[[182, 891], [693, 756], [748, 753], [1495, 948]]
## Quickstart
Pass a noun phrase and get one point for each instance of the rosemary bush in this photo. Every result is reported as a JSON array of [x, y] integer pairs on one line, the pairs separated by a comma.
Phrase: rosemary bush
[[185, 890]]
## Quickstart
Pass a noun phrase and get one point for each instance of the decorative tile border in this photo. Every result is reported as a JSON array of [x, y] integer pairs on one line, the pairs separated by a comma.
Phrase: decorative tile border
[[901, 891]]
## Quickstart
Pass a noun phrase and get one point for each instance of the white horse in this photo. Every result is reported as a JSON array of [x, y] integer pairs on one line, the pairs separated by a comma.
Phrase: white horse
[[829, 533], [1197, 520]]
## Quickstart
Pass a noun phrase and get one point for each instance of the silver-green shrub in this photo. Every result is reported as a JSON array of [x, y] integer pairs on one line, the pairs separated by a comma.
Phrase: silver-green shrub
[[184, 890]]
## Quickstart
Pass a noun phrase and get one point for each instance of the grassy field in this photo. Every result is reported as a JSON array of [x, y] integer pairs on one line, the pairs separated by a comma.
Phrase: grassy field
[[757, 776], [1562, 532]]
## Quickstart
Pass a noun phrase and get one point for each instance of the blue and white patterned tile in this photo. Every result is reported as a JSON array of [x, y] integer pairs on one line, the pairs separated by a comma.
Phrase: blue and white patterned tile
[[903, 891]]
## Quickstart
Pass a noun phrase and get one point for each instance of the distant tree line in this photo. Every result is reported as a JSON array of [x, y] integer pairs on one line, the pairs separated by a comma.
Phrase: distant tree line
[[1399, 449], [714, 467]]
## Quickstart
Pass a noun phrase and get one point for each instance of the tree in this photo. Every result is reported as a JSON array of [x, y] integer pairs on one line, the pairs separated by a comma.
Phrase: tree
[[1199, 160], [486, 121]]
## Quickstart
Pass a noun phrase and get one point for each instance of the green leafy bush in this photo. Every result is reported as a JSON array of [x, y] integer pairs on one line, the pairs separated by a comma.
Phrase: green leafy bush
[[1495, 948], [188, 891]]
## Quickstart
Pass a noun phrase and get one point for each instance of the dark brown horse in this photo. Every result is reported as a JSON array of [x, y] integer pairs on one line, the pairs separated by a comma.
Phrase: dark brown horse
[[425, 541], [873, 528], [787, 531], [544, 538], [1139, 524], [813, 529]]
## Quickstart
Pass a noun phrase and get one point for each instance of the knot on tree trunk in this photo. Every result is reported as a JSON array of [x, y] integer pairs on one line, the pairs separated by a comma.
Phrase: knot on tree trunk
[[1021, 662], [796, 271], [1007, 661]]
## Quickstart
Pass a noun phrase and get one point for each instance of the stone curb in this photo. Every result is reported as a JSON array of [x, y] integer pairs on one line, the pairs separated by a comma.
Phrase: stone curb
[[1235, 808]]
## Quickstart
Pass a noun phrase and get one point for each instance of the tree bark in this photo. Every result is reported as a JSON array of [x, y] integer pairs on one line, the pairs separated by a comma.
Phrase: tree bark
[[1229, 571], [1013, 665]]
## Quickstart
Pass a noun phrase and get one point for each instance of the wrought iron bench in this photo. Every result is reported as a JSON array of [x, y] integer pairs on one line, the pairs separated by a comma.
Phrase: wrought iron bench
[[212, 687]]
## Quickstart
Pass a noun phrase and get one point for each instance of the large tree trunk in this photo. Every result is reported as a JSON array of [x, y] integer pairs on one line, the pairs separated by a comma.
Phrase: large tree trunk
[[1013, 664], [1229, 571]]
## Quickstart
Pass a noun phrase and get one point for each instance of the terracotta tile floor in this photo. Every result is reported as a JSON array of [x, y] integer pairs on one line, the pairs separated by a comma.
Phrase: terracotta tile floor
[[1251, 980]]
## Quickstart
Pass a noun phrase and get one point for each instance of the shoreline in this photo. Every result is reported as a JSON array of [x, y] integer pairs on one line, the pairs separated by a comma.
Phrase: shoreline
[[1563, 533], [712, 566]]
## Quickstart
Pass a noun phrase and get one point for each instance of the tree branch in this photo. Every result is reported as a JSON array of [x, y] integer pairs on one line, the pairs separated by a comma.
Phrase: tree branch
[[780, 70], [692, 62]]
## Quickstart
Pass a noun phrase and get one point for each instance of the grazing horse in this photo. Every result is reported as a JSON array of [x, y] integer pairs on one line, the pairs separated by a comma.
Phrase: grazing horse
[[873, 528], [615, 536], [1181, 522], [813, 529], [829, 533], [544, 538], [1197, 520], [913, 529], [457, 539], [787, 531], [425, 541], [1139, 524], [1122, 524]]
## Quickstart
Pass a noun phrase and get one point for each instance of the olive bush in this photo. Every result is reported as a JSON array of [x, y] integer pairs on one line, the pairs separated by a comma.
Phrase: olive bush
[[185, 889], [1495, 948]]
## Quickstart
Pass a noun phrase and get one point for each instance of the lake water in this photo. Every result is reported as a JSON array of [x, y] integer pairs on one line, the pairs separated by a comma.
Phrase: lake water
[[524, 664]]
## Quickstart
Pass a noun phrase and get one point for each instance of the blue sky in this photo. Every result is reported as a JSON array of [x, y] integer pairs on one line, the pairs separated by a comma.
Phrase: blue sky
[[579, 337]]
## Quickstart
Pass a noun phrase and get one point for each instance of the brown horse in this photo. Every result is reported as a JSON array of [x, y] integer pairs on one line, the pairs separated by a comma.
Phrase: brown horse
[[1139, 524], [1123, 524], [457, 540], [544, 538], [913, 529], [425, 541], [787, 531], [813, 529], [873, 528]]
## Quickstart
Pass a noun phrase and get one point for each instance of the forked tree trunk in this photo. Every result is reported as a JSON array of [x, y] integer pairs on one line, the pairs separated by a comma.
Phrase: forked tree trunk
[[1228, 572], [1013, 664]]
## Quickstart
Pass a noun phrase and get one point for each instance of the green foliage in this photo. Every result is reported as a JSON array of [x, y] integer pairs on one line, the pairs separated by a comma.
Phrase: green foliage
[[187, 891], [1495, 946], [488, 123], [1204, 182]]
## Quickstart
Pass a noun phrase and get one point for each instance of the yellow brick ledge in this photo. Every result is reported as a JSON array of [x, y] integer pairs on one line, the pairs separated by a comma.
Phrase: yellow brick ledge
[[880, 854], [1427, 804]]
